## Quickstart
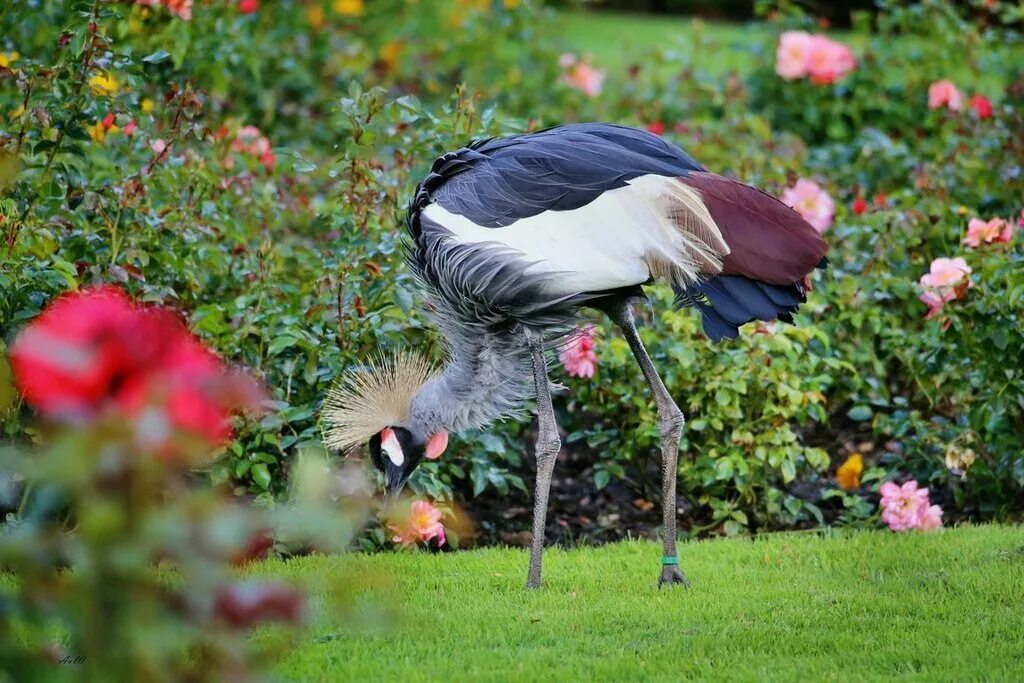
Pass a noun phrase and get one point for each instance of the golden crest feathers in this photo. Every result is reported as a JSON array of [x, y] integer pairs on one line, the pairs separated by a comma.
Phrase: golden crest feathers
[[369, 398]]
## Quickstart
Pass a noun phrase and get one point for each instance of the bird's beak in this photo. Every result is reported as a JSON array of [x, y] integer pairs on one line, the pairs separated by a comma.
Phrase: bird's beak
[[394, 483]]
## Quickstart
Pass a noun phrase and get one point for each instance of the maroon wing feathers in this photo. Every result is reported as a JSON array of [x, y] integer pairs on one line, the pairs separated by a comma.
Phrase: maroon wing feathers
[[769, 241]]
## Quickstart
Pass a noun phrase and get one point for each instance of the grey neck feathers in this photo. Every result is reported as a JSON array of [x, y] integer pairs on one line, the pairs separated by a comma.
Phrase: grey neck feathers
[[488, 376]]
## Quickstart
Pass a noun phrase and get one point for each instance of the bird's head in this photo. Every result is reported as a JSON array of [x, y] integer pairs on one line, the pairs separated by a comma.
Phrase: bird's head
[[371, 404], [396, 451]]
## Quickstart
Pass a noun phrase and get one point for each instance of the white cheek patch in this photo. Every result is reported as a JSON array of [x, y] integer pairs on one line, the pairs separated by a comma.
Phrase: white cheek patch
[[389, 444]]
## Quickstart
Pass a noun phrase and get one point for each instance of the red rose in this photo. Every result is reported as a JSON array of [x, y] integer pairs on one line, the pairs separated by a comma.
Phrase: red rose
[[96, 350], [859, 206], [981, 105], [73, 356]]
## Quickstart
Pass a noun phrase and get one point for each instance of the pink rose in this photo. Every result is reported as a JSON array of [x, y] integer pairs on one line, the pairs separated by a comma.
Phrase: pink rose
[[946, 280], [931, 518], [577, 355], [792, 54], [800, 54], [828, 61], [944, 94], [902, 505], [946, 272], [811, 202]]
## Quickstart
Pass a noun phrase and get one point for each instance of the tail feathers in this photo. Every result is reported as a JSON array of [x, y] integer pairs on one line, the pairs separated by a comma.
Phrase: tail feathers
[[727, 302]]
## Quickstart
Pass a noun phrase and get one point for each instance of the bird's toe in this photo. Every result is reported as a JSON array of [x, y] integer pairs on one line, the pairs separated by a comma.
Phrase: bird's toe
[[671, 575]]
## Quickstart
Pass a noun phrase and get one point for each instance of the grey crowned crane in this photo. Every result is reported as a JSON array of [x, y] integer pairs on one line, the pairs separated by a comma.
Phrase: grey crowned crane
[[511, 237]]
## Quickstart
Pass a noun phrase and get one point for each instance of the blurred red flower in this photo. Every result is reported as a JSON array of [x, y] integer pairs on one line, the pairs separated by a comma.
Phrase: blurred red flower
[[243, 605], [96, 349], [981, 105], [248, 6], [656, 127], [249, 140], [859, 206]]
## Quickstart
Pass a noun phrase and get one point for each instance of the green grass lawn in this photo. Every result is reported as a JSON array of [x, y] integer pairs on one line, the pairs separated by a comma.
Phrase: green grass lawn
[[853, 607], [617, 39]]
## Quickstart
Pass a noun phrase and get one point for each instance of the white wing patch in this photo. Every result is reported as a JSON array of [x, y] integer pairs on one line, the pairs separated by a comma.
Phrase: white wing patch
[[655, 226]]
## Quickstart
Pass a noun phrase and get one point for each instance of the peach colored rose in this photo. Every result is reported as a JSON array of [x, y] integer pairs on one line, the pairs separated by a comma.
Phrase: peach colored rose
[[423, 524], [584, 77], [249, 140], [989, 232]]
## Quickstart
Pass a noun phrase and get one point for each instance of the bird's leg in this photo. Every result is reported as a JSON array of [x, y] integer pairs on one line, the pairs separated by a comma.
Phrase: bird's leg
[[671, 420], [547, 447]]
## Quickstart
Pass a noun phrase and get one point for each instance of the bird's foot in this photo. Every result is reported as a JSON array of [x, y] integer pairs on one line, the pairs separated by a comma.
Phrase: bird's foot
[[671, 575]]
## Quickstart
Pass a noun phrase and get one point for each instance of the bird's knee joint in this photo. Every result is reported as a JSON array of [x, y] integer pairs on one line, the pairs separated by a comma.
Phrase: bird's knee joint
[[672, 423], [548, 447]]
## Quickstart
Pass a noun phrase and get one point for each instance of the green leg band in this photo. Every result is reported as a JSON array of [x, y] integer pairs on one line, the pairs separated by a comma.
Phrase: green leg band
[[669, 559]]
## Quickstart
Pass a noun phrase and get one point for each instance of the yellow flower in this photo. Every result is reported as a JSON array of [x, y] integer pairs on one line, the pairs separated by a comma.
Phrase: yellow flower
[[18, 111], [146, 105], [962, 210], [99, 132], [848, 474], [349, 8], [512, 4], [316, 17], [103, 84], [8, 58], [390, 53], [96, 131]]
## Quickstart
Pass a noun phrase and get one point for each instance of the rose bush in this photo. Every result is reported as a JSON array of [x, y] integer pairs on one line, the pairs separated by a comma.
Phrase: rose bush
[[250, 167]]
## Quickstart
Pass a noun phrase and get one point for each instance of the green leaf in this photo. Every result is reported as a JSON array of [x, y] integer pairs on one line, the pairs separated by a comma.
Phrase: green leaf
[[732, 528], [479, 480], [601, 478], [261, 475], [7, 393], [859, 413], [241, 467], [156, 57], [403, 299], [280, 343], [788, 470]]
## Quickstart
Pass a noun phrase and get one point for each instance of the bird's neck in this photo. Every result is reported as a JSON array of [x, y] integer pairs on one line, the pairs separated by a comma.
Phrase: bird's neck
[[488, 376]]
